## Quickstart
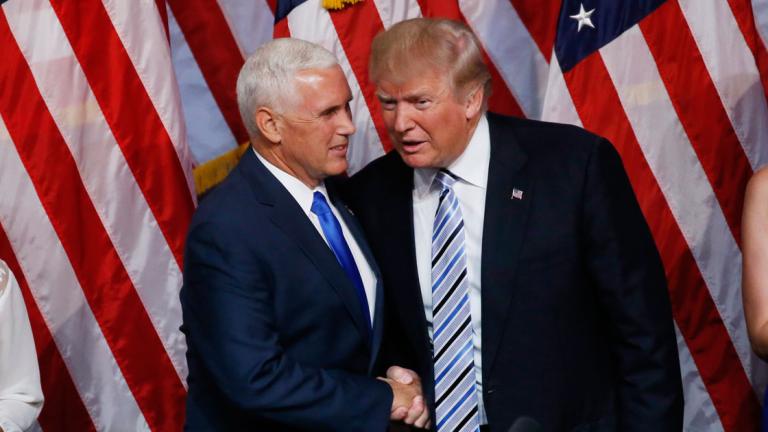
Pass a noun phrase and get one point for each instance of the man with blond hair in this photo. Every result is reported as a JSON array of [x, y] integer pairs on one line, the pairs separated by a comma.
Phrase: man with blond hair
[[282, 300], [521, 278]]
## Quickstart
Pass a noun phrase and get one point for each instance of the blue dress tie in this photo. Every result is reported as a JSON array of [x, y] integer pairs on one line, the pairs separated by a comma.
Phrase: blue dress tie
[[455, 384], [335, 237]]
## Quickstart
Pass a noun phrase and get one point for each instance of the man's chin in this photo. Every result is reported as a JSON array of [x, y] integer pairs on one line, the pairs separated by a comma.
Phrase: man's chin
[[337, 169], [415, 160]]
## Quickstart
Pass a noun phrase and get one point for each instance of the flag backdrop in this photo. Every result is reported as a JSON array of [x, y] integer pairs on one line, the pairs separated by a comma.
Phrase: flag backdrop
[[96, 154]]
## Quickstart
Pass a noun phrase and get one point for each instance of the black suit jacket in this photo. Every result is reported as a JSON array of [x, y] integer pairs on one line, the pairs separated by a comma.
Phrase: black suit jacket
[[276, 337], [577, 327]]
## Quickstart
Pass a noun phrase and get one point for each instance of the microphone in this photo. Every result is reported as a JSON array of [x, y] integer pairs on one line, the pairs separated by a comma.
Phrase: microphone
[[525, 424]]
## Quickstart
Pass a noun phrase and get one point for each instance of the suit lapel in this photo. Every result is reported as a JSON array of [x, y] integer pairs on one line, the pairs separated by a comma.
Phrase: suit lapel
[[397, 209], [357, 233], [288, 216], [504, 227]]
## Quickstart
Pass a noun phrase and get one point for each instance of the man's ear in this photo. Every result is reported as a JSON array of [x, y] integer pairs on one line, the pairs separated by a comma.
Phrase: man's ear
[[266, 121], [474, 102]]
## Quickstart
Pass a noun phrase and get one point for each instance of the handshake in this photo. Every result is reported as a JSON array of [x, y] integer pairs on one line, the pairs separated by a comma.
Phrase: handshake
[[408, 404]]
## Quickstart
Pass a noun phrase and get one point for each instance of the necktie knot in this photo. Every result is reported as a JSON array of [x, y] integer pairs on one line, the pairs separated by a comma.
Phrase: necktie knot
[[320, 204], [445, 179]]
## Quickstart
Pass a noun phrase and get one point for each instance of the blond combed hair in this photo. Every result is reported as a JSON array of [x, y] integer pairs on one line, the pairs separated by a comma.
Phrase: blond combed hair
[[417, 46]]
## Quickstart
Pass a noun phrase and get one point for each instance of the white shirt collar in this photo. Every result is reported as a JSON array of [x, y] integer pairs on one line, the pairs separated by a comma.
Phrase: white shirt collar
[[302, 193], [470, 167]]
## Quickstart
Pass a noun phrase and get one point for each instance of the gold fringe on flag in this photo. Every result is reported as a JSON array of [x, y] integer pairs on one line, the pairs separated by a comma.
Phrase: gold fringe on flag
[[338, 4], [214, 171]]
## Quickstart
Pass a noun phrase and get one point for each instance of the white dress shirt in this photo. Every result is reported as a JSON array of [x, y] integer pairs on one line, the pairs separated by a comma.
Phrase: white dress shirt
[[21, 397], [471, 168], [304, 197]]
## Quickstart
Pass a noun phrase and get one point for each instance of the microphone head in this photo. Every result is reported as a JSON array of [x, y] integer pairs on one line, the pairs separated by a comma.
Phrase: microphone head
[[525, 424]]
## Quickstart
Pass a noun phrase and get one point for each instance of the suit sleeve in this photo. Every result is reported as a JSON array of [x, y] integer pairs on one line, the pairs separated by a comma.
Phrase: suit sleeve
[[625, 264], [228, 313]]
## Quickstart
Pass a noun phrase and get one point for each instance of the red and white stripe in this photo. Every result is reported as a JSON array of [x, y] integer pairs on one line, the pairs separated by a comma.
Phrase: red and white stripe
[[59, 298], [209, 134], [760, 8], [505, 37], [95, 165], [683, 180], [689, 175], [704, 417], [119, 202], [732, 68], [96, 175]]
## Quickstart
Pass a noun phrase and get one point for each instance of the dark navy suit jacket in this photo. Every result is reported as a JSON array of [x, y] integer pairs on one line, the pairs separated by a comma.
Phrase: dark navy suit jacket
[[577, 327], [276, 337]]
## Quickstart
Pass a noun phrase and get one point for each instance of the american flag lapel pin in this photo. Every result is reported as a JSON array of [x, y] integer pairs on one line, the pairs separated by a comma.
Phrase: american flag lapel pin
[[517, 194]]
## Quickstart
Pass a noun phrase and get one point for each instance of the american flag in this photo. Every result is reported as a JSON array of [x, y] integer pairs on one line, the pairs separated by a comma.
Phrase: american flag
[[96, 155]]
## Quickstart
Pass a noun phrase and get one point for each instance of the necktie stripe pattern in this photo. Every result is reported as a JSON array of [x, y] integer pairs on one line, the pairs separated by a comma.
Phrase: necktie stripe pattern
[[459, 332], [455, 384], [455, 389], [443, 220], [447, 242], [456, 283]]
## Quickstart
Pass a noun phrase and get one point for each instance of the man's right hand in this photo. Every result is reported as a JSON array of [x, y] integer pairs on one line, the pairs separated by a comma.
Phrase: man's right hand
[[408, 402]]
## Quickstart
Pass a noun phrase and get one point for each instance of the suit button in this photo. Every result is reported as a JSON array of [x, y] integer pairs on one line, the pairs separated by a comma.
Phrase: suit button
[[490, 391]]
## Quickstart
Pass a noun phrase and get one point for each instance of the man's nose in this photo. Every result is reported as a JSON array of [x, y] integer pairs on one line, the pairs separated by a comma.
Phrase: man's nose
[[346, 125], [403, 119]]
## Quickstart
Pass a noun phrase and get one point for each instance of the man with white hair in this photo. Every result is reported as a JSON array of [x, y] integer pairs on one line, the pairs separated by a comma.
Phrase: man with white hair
[[282, 300]]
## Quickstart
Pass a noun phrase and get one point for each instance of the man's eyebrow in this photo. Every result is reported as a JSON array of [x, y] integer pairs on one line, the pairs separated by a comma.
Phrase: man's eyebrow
[[331, 109], [336, 107]]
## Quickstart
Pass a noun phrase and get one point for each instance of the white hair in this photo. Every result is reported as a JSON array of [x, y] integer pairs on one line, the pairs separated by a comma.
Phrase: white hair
[[266, 78]]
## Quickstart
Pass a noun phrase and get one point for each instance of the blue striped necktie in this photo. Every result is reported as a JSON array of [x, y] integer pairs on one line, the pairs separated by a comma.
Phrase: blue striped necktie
[[455, 387], [335, 237]]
